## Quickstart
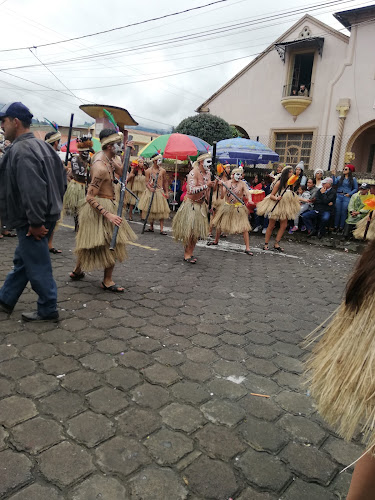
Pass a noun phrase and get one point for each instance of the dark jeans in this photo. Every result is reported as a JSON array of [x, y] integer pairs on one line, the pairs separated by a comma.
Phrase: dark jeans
[[313, 217], [31, 263], [260, 220], [341, 210]]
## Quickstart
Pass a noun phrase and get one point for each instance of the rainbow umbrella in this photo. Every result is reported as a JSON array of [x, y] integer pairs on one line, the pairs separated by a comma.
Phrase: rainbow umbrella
[[176, 147]]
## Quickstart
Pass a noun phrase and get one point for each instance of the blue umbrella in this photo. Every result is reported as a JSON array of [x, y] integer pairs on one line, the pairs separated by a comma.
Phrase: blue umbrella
[[244, 149]]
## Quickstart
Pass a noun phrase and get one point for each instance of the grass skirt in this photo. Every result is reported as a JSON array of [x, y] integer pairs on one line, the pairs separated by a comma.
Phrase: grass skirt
[[232, 219], [190, 222], [74, 197], [287, 208], [360, 229], [159, 209], [95, 234], [137, 186], [341, 371], [129, 198], [217, 200]]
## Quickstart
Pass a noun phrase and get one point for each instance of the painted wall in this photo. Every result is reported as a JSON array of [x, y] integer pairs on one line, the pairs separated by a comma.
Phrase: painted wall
[[345, 70], [254, 100], [357, 83]]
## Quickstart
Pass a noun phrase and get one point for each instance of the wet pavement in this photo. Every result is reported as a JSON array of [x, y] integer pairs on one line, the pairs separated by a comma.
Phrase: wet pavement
[[157, 393]]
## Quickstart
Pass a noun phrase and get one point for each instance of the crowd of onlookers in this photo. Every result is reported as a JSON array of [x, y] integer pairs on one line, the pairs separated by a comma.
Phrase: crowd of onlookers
[[334, 203]]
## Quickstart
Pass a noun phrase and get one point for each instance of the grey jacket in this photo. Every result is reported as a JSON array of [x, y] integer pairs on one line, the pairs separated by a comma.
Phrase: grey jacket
[[32, 183]]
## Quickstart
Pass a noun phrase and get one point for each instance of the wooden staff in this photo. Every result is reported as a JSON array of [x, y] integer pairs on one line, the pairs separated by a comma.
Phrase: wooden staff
[[122, 193], [213, 168], [150, 205]]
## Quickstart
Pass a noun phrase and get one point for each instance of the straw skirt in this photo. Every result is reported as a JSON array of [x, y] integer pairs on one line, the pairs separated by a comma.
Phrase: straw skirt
[[287, 208], [232, 218], [159, 208], [137, 186], [341, 371], [190, 223], [95, 234], [74, 197], [217, 200], [360, 229]]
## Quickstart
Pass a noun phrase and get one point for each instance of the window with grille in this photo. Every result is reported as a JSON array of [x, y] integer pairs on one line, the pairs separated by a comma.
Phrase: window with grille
[[294, 147]]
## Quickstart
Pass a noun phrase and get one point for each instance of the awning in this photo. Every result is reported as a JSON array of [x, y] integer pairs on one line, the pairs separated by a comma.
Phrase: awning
[[302, 43]]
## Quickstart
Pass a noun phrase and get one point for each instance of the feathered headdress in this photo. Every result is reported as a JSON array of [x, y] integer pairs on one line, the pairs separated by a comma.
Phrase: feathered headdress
[[55, 137], [84, 143]]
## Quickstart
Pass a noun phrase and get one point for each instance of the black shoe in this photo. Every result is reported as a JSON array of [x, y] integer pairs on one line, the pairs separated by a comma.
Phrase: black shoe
[[313, 233], [34, 316], [320, 235], [5, 308]]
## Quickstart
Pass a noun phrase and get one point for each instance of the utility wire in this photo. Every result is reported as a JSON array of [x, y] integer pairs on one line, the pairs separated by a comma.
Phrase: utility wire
[[165, 16], [198, 35], [57, 78]]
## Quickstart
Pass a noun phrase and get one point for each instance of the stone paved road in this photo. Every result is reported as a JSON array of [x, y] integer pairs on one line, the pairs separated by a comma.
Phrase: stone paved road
[[147, 395]]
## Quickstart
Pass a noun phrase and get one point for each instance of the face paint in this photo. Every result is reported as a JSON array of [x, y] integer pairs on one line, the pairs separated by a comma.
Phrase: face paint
[[159, 162], [207, 163], [237, 177], [116, 148], [59, 146], [84, 155]]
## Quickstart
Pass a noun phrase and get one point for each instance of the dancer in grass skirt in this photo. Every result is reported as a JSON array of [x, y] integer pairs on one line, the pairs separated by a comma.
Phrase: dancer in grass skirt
[[191, 221], [281, 205], [98, 216]]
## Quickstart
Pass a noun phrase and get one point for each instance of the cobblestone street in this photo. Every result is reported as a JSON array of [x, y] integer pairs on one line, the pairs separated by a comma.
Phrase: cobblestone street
[[154, 394]]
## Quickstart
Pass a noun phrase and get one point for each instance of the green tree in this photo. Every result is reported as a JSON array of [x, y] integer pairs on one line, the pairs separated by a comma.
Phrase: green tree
[[235, 132], [208, 127]]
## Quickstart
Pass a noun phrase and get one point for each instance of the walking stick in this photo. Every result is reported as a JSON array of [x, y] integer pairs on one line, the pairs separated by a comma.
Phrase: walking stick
[[122, 192], [212, 178], [69, 138], [150, 205]]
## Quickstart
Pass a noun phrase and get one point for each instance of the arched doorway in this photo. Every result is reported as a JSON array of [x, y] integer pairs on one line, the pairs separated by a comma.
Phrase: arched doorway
[[362, 144], [241, 130]]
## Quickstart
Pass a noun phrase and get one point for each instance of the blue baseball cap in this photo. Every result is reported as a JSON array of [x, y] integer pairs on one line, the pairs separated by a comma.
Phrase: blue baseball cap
[[16, 110]]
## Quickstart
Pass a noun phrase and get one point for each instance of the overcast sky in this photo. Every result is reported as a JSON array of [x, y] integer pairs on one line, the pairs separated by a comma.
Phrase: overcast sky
[[141, 52]]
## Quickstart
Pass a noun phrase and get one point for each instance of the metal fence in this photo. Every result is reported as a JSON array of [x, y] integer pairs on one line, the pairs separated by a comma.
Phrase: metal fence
[[292, 147]]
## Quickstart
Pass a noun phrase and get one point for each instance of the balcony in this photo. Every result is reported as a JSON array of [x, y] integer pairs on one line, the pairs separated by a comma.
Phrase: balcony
[[295, 101]]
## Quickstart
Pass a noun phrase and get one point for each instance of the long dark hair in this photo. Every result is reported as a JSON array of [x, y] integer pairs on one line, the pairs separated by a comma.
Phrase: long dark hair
[[350, 178], [284, 178], [362, 281]]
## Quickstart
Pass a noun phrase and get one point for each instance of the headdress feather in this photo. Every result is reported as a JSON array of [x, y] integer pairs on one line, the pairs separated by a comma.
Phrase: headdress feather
[[53, 124], [111, 118]]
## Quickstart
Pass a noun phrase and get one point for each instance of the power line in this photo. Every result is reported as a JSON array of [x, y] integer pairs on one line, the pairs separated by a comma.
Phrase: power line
[[57, 78], [119, 27], [198, 35]]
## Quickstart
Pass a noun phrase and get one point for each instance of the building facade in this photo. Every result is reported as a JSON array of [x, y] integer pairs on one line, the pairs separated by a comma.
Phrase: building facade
[[310, 95]]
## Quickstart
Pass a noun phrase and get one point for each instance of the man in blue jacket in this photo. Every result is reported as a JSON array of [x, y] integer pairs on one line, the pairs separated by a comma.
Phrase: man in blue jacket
[[32, 186]]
